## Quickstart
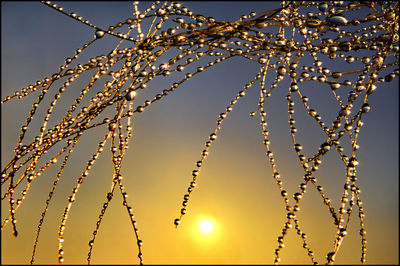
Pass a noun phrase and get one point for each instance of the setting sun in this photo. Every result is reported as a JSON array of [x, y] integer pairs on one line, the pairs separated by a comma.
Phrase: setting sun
[[206, 226]]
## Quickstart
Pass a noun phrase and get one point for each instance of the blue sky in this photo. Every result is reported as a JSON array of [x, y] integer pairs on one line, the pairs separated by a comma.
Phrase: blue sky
[[235, 187]]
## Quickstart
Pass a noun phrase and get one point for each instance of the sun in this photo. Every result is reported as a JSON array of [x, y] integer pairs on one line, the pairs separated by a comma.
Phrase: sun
[[206, 226]]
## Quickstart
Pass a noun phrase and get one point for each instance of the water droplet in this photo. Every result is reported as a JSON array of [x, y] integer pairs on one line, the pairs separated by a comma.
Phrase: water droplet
[[345, 46], [297, 196], [337, 19], [130, 95], [109, 196], [195, 173], [325, 147], [294, 87], [350, 59], [366, 108], [280, 42], [281, 70], [303, 31], [335, 85], [353, 162], [312, 112], [323, 6], [161, 12], [112, 126], [298, 147], [99, 34], [389, 77], [313, 21], [336, 75], [177, 222], [213, 136], [330, 256], [163, 66]]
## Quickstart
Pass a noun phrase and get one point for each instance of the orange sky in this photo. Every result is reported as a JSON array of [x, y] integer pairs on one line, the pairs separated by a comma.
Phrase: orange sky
[[235, 188]]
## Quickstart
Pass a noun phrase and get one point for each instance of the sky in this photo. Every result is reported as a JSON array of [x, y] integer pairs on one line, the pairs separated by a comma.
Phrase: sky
[[235, 188]]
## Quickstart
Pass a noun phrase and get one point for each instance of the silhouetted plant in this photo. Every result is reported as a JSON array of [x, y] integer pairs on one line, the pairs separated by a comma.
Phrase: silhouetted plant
[[333, 32]]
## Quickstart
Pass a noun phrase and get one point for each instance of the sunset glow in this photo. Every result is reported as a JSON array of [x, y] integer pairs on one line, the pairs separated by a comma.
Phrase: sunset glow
[[206, 226], [203, 133]]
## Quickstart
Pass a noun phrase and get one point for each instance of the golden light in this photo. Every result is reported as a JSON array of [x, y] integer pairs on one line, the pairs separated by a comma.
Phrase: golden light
[[206, 226]]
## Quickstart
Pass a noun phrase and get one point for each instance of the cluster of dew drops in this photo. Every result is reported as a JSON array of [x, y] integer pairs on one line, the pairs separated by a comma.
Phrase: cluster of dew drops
[[362, 35]]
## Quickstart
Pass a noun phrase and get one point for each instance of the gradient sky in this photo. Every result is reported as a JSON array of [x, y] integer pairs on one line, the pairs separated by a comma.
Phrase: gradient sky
[[235, 188]]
